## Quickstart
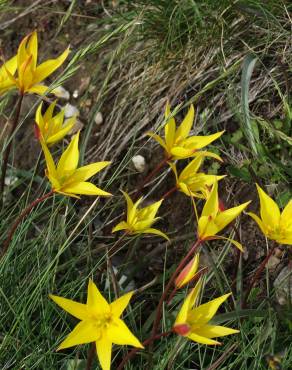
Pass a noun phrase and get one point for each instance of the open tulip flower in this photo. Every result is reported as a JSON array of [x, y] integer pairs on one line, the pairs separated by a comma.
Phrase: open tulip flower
[[5, 81], [213, 219], [66, 178], [192, 183], [139, 221], [178, 144], [188, 272], [52, 128], [29, 74], [192, 321], [100, 323], [273, 224]]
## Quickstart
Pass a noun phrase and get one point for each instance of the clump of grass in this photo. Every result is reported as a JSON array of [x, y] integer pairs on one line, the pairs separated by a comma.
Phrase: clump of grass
[[63, 243]]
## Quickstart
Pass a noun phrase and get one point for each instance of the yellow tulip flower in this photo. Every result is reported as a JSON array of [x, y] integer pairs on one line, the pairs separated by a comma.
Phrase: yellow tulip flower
[[52, 128], [5, 81], [192, 321], [100, 323], [139, 221], [178, 144], [213, 220], [66, 178], [29, 74], [192, 183], [274, 224], [188, 272]]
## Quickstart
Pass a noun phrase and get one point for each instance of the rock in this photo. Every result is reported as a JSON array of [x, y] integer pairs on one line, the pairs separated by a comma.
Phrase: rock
[[283, 286], [77, 127], [273, 262], [139, 163], [61, 93], [98, 119], [71, 110]]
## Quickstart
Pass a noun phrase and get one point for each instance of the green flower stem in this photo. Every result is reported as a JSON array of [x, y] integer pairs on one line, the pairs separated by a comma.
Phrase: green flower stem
[[8, 148], [22, 215], [134, 350]]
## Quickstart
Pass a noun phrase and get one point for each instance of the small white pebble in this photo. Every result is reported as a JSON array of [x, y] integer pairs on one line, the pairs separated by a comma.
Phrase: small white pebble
[[139, 163], [61, 93], [71, 110], [10, 180], [98, 119]]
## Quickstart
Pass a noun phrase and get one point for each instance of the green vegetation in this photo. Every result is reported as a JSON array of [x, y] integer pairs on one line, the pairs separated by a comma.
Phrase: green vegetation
[[232, 60]]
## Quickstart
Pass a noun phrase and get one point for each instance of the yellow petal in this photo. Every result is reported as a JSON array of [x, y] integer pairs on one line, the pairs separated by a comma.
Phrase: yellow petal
[[158, 139], [119, 333], [84, 188], [149, 212], [270, 213], [32, 48], [226, 217], [84, 332], [22, 54], [104, 352], [95, 301], [259, 222], [69, 159], [85, 172], [192, 168], [10, 65], [38, 89], [212, 331], [118, 306], [187, 304], [49, 160], [186, 125], [198, 142], [53, 139], [173, 167], [130, 203], [75, 309], [48, 67], [200, 315], [206, 153], [156, 232], [236, 243], [120, 226], [39, 118], [206, 227], [169, 128], [50, 111], [25, 75], [212, 204], [188, 272], [286, 216], [199, 339], [179, 152]]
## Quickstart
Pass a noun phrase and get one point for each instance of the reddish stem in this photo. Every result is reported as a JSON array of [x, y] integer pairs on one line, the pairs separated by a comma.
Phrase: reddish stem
[[169, 284], [22, 215], [150, 176], [8, 148], [90, 356], [257, 275], [132, 353], [169, 192]]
